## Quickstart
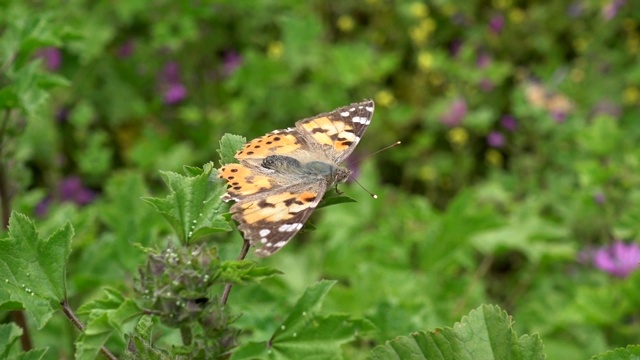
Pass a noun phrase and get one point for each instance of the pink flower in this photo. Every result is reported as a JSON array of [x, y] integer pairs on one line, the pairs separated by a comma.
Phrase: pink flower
[[496, 23], [618, 259], [509, 123], [52, 57], [455, 115], [495, 139]]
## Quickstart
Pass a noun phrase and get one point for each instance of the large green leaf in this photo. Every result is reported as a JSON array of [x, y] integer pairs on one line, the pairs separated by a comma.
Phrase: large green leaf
[[631, 352], [486, 333], [33, 269], [194, 207], [305, 334]]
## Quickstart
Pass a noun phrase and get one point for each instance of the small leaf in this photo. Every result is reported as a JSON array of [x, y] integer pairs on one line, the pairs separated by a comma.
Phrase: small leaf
[[141, 344], [243, 271], [32, 270], [35, 354], [486, 333], [229, 146], [333, 198], [194, 207], [631, 352], [9, 334]]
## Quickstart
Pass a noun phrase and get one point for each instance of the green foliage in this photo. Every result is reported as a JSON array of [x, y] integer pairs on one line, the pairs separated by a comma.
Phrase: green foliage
[[486, 333], [194, 206], [33, 269]]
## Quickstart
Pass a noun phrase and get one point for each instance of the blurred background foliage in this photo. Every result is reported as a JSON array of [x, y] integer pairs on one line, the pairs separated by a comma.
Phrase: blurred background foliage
[[517, 184]]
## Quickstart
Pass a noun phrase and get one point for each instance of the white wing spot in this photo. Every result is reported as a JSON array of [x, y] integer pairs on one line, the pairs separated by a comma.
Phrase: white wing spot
[[290, 227], [263, 241], [264, 232], [280, 244], [360, 107], [345, 113], [361, 120], [269, 245], [369, 108], [352, 109]]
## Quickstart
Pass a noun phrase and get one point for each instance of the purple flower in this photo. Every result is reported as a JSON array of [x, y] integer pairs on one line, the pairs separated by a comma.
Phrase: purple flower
[[455, 115], [486, 85], [618, 259], [599, 198], [483, 61], [454, 47], [71, 189], [52, 57], [175, 93], [230, 62], [610, 10], [173, 90], [126, 49], [43, 206], [496, 23], [509, 123], [171, 72], [559, 116], [495, 139], [63, 114]]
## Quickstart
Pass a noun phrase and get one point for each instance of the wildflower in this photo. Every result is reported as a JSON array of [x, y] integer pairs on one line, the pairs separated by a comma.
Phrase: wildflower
[[126, 49], [483, 61], [576, 9], [495, 139], [610, 108], [618, 259], [173, 90], [455, 115], [71, 189], [599, 198], [610, 9], [230, 62], [486, 85], [52, 57], [454, 47], [496, 23], [509, 123]]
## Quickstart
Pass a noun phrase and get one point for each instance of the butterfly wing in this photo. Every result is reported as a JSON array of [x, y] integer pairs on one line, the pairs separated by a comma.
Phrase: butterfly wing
[[269, 212], [337, 132]]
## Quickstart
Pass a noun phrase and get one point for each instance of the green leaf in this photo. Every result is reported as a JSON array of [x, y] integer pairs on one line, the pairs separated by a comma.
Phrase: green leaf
[[106, 317], [631, 352], [486, 333], [243, 271], [305, 334], [35, 354], [333, 198], [32, 269], [229, 145], [194, 207], [9, 334], [141, 344]]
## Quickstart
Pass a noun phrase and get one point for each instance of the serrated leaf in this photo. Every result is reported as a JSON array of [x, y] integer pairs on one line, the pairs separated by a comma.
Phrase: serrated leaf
[[243, 271], [194, 207], [107, 316], [305, 334], [229, 146], [32, 270], [631, 352], [140, 342], [35, 354], [486, 333], [9, 334]]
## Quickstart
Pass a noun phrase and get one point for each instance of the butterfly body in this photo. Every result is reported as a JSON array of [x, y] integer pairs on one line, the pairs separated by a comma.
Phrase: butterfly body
[[283, 175]]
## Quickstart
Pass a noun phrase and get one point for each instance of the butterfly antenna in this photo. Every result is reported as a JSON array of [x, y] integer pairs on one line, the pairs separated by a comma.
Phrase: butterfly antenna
[[365, 189], [375, 152]]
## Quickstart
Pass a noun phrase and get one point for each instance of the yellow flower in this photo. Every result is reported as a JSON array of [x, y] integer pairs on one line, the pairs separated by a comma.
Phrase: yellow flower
[[385, 98], [580, 44], [516, 16], [420, 33], [631, 95], [418, 9], [346, 23], [502, 4], [427, 173], [275, 50], [494, 157], [425, 60], [458, 136]]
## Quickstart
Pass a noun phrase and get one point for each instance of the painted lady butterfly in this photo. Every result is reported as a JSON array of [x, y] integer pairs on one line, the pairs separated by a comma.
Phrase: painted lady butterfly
[[283, 175]]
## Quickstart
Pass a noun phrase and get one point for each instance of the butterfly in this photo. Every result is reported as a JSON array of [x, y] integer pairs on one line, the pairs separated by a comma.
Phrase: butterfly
[[282, 176]]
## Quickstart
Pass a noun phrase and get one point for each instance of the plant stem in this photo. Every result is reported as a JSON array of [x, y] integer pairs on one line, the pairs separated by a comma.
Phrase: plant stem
[[227, 288], [78, 324]]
